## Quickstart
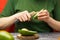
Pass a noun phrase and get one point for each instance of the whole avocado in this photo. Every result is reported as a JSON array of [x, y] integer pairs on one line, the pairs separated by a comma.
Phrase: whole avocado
[[4, 35]]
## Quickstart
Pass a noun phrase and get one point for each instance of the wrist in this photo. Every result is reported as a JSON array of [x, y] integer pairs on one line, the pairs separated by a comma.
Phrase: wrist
[[49, 20], [13, 17]]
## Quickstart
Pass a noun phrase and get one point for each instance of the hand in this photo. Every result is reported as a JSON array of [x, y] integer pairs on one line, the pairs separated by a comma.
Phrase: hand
[[23, 16], [43, 15]]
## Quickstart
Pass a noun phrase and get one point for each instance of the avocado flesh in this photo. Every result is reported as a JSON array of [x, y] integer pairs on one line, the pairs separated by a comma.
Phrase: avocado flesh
[[27, 32]]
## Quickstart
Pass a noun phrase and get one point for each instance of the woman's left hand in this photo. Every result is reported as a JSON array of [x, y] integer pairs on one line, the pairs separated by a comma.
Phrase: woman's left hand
[[43, 15]]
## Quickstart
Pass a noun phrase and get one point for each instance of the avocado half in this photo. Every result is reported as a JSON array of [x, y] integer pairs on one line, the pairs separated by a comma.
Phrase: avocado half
[[26, 32]]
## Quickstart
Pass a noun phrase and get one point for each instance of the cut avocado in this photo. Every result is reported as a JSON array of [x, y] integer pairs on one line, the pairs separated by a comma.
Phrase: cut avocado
[[27, 33], [34, 17]]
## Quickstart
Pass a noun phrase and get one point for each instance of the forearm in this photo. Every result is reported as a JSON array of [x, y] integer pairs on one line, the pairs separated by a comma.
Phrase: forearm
[[21, 16], [6, 21], [53, 24]]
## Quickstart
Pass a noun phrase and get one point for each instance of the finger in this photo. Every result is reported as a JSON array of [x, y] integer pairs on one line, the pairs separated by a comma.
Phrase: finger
[[42, 14], [20, 19], [42, 18], [27, 14], [46, 11], [25, 17]]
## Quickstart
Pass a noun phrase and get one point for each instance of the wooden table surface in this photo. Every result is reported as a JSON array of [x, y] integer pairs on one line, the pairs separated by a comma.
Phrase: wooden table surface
[[44, 36]]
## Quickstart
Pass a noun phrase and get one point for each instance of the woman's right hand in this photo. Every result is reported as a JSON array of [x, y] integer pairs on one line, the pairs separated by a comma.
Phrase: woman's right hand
[[23, 16]]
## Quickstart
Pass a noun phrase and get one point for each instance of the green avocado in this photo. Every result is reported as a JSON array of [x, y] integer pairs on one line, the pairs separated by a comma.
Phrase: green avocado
[[35, 17], [26, 32], [5, 36]]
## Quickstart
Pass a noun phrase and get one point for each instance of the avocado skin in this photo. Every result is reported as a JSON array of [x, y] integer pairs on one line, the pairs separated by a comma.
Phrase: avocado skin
[[4, 35], [27, 33]]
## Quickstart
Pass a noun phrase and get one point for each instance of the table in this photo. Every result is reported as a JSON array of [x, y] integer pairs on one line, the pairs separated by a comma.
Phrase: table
[[43, 36]]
